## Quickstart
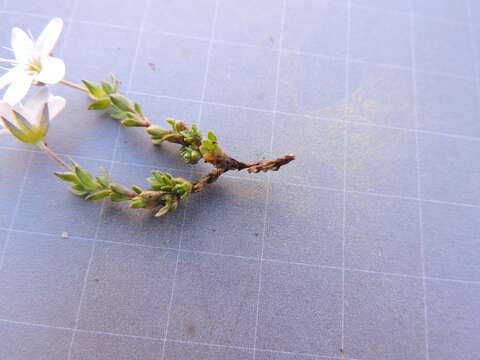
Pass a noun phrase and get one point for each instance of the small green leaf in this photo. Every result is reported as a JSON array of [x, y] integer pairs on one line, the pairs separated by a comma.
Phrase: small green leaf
[[95, 90], [138, 108], [19, 134], [78, 190], [138, 203], [85, 178], [120, 189], [117, 197], [137, 189], [107, 87], [131, 123], [122, 102], [98, 195], [212, 137], [103, 180], [67, 176], [100, 104]]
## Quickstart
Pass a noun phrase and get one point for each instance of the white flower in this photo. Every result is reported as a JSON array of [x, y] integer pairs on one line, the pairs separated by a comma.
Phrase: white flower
[[29, 122], [33, 62]]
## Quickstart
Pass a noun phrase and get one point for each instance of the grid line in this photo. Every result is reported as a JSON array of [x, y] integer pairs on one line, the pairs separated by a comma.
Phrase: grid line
[[200, 114], [268, 184], [102, 207], [95, 332], [272, 260], [345, 157], [419, 185]]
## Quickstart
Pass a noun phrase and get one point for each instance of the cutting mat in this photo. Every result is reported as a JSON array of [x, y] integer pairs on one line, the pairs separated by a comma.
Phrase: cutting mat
[[367, 247]]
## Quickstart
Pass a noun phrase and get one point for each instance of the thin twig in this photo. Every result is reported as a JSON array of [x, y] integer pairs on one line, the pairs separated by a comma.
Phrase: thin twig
[[74, 85]]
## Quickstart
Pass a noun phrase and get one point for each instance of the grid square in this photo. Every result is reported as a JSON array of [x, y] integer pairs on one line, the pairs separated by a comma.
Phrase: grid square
[[449, 169], [47, 198], [176, 350], [381, 160], [242, 76], [447, 105], [80, 132], [443, 9], [11, 182], [128, 290], [170, 65], [41, 279], [304, 31], [186, 17], [378, 306], [269, 355], [215, 300], [475, 11], [107, 347], [379, 36], [310, 85], [249, 22], [231, 206], [304, 225], [322, 165], [24, 342], [59, 8], [382, 234], [300, 309], [453, 320], [134, 145], [380, 95], [3, 238], [451, 235], [104, 50], [395, 5], [128, 14], [443, 47], [121, 224]]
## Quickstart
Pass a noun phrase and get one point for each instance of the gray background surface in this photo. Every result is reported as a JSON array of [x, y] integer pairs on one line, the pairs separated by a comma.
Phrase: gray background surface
[[367, 247]]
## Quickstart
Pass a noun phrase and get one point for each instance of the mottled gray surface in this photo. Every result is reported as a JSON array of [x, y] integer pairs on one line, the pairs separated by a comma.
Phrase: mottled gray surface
[[365, 248]]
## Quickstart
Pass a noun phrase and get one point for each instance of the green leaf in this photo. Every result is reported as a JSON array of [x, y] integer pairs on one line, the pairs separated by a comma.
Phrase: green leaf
[[95, 90], [100, 104], [212, 137], [107, 87], [131, 123], [85, 178], [138, 108], [120, 189], [67, 176], [117, 197], [104, 181], [138, 203], [78, 190], [98, 195], [122, 102], [137, 189], [19, 134]]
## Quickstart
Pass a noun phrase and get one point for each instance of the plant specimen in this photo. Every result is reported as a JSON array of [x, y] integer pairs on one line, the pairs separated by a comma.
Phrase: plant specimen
[[28, 121]]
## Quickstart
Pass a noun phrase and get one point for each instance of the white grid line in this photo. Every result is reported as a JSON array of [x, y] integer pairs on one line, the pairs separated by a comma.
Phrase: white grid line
[[283, 50], [345, 157], [272, 260], [200, 114], [15, 210], [419, 186], [268, 184], [164, 340], [112, 162], [259, 180]]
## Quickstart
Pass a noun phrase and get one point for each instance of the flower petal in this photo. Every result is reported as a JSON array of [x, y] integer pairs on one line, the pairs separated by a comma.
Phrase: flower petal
[[55, 105], [32, 108], [49, 37], [53, 70], [8, 77], [22, 45], [18, 88], [5, 109]]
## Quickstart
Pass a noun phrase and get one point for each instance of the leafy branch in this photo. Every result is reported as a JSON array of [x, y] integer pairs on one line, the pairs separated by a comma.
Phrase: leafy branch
[[165, 191]]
